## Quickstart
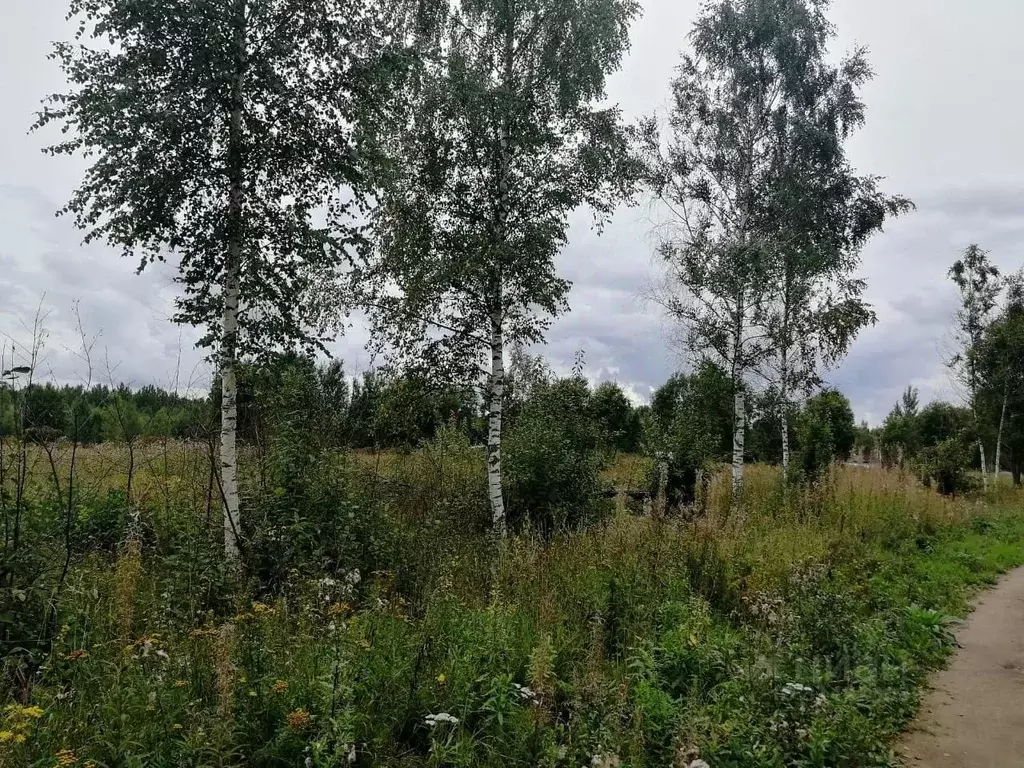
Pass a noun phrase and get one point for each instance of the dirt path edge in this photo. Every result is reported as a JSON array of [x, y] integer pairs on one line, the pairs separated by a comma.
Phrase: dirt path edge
[[973, 714]]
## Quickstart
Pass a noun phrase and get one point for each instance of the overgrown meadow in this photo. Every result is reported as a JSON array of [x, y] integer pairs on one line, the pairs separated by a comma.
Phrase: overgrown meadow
[[379, 625]]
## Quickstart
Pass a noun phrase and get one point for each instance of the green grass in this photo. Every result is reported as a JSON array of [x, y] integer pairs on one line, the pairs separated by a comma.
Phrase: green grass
[[798, 633]]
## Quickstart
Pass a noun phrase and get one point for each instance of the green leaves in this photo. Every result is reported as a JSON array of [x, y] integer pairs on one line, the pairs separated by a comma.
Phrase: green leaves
[[149, 104], [499, 138]]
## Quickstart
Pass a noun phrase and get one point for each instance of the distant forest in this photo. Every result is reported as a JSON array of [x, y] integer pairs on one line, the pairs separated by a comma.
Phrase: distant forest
[[386, 410]]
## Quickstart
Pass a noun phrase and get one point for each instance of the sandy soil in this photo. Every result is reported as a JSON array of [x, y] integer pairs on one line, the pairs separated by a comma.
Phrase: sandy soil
[[974, 715]]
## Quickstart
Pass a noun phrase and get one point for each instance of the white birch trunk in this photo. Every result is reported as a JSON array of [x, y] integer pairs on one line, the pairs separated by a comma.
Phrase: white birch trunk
[[999, 443], [229, 329], [495, 493], [984, 465], [229, 423], [738, 442], [496, 403], [785, 441], [739, 403], [783, 395]]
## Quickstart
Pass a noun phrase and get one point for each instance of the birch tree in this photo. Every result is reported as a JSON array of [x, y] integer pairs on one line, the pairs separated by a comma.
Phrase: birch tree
[[503, 137], [712, 172], [1000, 362], [817, 214], [218, 136], [978, 282]]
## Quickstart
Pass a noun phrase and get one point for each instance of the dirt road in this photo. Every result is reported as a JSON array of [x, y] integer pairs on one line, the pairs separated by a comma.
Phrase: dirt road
[[974, 716]]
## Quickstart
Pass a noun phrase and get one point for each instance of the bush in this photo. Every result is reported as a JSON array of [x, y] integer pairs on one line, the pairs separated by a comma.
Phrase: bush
[[552, 462], [945, 465], [699, 409]]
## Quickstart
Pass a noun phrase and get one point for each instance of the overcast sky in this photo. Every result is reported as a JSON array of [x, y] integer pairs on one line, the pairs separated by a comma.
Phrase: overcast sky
[[945, 122]]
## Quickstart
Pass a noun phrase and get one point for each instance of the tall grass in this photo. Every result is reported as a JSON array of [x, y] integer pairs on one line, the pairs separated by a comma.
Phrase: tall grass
[[796, 631]]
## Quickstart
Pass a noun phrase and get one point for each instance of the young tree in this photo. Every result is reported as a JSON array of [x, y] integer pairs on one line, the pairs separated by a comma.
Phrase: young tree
[[765, 215], [977, 280], [616, 418], [1000, 362], [899, 437], [818, 215], [501, 141], [219, 133]]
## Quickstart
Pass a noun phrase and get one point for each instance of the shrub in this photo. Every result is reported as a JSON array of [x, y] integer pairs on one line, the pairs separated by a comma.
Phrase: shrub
[[552, 462], [946, 465]]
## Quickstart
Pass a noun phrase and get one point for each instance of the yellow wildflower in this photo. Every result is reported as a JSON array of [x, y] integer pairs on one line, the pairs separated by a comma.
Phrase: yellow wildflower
[[441, 678], [259, 608], [33, 712], [6, 736], [20, 738], [65, 758], [299, 720], [337, 608], [180, 684], [177, 727], [280, 686]]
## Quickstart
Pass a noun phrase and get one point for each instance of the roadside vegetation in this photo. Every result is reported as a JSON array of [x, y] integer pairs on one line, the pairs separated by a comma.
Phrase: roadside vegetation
[[464, 557]]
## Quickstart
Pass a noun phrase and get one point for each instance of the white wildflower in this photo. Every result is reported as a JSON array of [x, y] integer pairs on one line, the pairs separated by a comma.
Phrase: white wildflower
[[792, 689], [351, 753], [440, 717], [525, 693], [698, 764], [606, 761]]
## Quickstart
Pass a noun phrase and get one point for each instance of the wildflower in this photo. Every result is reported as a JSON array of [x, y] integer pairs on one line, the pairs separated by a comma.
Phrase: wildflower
[[351, 753], [65, 758], [440, 717], [177, 727], [180, 684], [34, 712], [20, 738], [261, 608], [606, 761], [441, 679], [6, 736], [198, 633], [77, 655], [526, 694], [337, 608], [299, 720], [792, 689], [698, 764], [280, 686]]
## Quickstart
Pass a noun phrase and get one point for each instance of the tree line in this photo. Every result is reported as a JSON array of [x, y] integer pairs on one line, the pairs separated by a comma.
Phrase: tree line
[[986, 361]]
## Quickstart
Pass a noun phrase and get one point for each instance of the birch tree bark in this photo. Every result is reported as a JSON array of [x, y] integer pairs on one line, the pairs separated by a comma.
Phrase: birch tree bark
[[784, 401], [739, 401], [496, 397], [999, 441], [229, 341]]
